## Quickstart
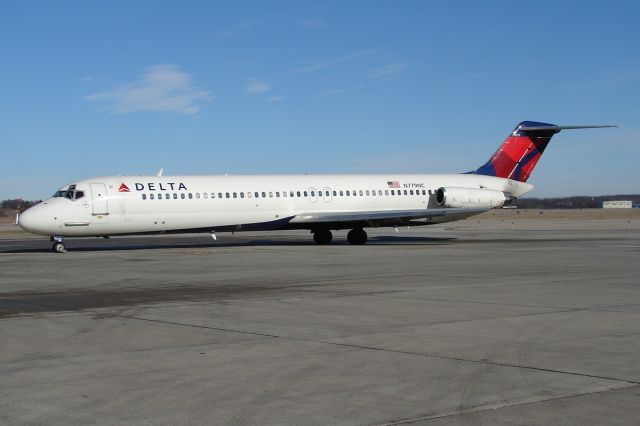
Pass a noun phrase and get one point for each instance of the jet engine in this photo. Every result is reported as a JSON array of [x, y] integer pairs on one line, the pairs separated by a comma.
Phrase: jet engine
[[471, 197]]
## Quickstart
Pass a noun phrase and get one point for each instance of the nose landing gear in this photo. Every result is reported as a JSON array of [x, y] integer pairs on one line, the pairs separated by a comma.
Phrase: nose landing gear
[[58, 244]]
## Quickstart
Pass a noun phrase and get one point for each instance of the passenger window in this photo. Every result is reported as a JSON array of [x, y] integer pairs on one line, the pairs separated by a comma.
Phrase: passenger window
[[313, 193], [386, 192], [175, 196], [341, 193], [298, 193], [256, 194], [144, 196], [190, 196], [220, 195], [305, 193], [213, 195], [393, 192], [249, 195], [264, 195], [277, 194], [361, 193], [284, 194], [348, 194], [235, 195], [379, 191], [242, 195], [198, 195], [182, 195], [167, 196], [205, 195], [424, 192], [411, 192], [291, 194], [227, 195], [151, 196]]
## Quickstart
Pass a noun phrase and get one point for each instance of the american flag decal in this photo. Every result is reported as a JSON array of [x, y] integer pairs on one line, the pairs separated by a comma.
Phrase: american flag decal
[[393, 184]]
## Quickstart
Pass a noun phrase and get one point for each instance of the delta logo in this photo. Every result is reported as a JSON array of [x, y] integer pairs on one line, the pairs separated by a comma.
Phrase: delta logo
[[123, 188], [160, 186]]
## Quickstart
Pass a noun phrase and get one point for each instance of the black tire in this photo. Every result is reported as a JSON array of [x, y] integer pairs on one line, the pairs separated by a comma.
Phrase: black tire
[[357, 237], [58, 248], [322, 236]]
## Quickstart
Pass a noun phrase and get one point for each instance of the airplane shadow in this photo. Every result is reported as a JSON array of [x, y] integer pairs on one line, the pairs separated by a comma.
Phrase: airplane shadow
[[106, 246]]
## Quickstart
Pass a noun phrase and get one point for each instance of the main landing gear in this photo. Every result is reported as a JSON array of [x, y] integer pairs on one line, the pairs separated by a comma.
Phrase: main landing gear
[[357, 236], [58, 244], [322, 236]]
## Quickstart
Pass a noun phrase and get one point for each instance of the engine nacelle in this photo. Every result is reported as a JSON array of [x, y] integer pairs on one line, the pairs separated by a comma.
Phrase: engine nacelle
[[471, 197]]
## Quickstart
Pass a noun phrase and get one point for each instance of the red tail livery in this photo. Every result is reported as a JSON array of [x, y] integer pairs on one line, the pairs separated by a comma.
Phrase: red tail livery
[[519, 153]]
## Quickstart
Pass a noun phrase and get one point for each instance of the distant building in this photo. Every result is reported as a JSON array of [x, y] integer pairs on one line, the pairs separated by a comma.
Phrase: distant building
[[618, 204]]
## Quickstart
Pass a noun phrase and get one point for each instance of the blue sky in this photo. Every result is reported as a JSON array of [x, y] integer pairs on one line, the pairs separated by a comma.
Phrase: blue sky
[[103, 88]]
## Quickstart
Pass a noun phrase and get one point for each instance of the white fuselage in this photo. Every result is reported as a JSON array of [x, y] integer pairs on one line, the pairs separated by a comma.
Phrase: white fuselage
[[119, 205]]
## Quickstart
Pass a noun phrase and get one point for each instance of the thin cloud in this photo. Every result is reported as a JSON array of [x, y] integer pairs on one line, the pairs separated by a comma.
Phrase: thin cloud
[[255, 87], [277, 98], [240, 27], [161, 88], [387, 71], [312, 24], [332, 62], [341, 91]]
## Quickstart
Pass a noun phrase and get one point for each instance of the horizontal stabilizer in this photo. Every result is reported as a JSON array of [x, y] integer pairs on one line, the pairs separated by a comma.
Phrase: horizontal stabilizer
[[558, 128]]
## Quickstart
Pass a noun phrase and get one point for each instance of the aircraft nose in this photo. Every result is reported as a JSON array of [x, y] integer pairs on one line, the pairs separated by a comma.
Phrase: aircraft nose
[[27, 219]]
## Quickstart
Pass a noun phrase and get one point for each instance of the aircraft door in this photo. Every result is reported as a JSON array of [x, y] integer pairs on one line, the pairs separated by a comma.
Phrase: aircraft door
[[327, 194], [99, 199]]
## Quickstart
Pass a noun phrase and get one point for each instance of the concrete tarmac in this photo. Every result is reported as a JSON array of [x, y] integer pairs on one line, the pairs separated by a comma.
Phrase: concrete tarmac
[[477, 322]]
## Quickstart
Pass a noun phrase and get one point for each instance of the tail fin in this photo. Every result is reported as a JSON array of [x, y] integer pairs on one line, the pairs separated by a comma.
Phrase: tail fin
[[519, 153]]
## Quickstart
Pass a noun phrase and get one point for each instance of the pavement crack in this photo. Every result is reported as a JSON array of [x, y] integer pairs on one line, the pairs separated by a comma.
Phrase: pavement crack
[[484, 362], [378, 349], [482, 409]]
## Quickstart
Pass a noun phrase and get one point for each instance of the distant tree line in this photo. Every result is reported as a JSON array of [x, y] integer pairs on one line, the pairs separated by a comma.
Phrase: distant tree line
[[572, 202], [17, 204]]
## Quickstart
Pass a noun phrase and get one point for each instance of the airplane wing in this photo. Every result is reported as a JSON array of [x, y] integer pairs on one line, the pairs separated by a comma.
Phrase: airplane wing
[[377, 217]]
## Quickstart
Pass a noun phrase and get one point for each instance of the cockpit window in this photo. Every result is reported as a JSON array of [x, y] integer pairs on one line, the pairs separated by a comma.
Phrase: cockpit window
[[61, 193], [70, 193]]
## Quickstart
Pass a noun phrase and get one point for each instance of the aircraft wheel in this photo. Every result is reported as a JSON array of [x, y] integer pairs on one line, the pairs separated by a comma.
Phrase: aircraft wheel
[[58, 248], [322, 236], [357, 236]]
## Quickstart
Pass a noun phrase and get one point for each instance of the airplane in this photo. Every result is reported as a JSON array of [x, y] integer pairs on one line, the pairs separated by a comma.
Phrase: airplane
[[138, 205]]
